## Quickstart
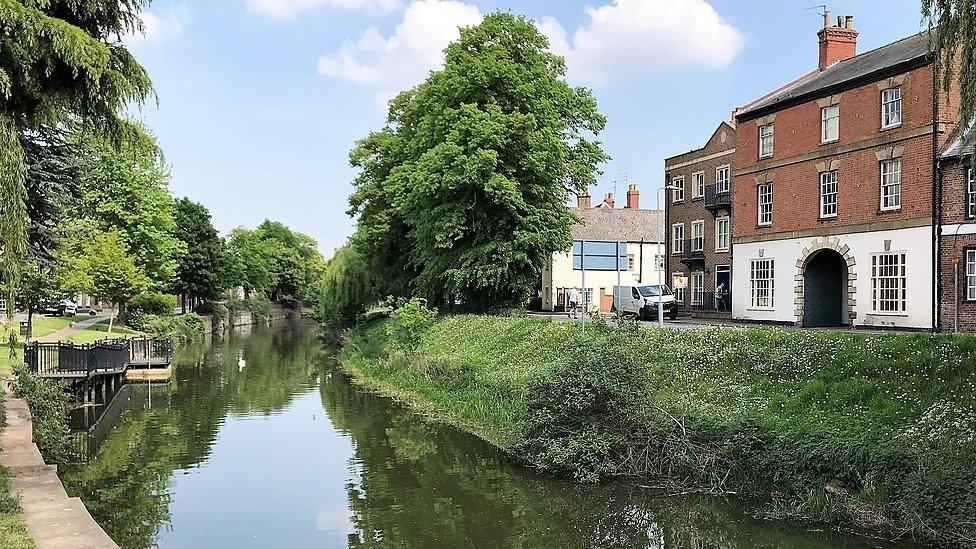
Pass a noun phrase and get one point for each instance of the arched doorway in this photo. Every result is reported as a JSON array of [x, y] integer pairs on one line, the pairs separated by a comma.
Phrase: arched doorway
[[825, 289]]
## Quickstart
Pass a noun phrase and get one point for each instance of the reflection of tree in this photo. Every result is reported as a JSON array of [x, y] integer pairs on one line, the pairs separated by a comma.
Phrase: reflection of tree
[[424, 485], [126, 486]]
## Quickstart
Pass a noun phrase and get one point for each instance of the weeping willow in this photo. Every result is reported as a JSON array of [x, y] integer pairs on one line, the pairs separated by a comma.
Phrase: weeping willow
[[954, 43], [13, 211]]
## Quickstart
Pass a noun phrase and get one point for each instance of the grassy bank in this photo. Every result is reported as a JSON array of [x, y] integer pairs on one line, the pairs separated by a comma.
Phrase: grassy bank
[[875, 430]]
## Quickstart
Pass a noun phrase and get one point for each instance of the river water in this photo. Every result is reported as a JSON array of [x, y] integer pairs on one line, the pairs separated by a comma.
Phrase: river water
[[285, 452]]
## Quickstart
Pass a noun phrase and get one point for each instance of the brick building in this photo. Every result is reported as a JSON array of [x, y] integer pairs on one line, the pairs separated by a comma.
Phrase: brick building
[[833, 189], [957, 245], [698, 214]]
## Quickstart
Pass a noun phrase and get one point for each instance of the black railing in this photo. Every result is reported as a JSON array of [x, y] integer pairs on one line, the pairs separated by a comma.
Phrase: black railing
[[693, 248], [710, 301], [84, 360], [717, 198]]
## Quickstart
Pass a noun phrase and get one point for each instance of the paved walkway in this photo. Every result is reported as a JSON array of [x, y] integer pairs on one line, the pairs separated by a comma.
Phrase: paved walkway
[[55, 520], [64, 334]]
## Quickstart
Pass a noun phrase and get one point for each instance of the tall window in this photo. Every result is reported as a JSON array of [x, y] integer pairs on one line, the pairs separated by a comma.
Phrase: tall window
[[677, 237], [828, 194], [698, 185], [971, 192], [764, 199], [829, 124], [678, 283], [761, 279], [697, 236], [765, 140], [721, 234], [971, 275], [723, 179], [697, 288], [888, 283], [891, 184], [678, 189], [890, 107]]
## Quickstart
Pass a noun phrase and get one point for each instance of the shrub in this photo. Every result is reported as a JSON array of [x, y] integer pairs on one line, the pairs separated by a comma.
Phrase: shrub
[[48, 402], [181, 329], [408, 323], [152, 303], [260, 307]]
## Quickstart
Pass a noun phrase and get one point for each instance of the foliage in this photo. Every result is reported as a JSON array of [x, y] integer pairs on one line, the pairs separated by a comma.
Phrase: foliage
[[125, 189], [40, 285], [48, 402], [52, 186], [13, 206], [346, 286], [182, 329], [153, 304], [277, 261], [954, 41], [260, 307], [463, 193], [203, 271], [105, 270], [408, 323], [870, 429]]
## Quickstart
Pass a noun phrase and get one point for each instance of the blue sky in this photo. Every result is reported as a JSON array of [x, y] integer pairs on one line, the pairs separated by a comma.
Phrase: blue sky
[[260, 101]]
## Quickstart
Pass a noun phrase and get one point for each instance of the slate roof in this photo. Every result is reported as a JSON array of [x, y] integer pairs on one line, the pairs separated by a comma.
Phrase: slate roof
[[907, 50], [619, 224], [962, 145]]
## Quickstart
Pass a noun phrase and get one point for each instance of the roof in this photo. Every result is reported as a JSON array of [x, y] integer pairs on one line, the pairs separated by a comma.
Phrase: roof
[[903, 53], [962, 145], [723, 126], [619, 224]]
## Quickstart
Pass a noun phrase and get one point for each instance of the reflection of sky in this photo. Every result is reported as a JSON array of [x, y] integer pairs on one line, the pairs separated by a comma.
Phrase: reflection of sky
[[288, 469]]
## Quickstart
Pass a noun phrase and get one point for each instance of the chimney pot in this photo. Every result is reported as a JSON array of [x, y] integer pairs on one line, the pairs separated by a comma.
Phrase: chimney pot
[[633, 197], [837, 43]]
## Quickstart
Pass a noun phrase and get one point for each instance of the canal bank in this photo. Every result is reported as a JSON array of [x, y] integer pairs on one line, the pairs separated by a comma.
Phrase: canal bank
[[872, 431]]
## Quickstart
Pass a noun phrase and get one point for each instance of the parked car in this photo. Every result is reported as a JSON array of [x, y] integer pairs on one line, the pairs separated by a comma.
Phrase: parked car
[[644, 300], [68, 308], [88, 310]]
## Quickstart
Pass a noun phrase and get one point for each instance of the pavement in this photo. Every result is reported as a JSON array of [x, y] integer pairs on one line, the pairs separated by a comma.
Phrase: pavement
[[54, 520], [64, 334]]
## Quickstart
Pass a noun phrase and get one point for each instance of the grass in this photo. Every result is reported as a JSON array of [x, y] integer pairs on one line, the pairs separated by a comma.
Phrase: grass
[[871, 429], [13, 528]]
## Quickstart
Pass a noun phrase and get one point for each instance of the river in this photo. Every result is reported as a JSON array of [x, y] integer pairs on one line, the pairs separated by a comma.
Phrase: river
[[286, 452]]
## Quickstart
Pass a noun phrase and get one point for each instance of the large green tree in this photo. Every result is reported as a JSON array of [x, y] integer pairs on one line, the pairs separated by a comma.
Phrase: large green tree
[[277, 261], [346, 285], [60, 60], [203, 271], [954, 40], [463, 193], [104, 268]]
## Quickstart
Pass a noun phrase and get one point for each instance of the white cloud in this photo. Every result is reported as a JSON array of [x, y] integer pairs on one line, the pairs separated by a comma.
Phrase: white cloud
[[404, 58], [158, 26], [288, 8], [630, 38]]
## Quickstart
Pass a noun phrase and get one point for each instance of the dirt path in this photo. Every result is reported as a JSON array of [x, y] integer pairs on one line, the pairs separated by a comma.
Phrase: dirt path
[[64, 334]]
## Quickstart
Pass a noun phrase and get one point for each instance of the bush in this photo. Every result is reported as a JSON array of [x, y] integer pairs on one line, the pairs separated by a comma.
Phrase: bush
[[408, 323], [48, 402], [260, 307], [152, 303], [181, 329]]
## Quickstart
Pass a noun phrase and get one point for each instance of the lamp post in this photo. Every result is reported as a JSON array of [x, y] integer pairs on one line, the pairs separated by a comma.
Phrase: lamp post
[[660, 279]]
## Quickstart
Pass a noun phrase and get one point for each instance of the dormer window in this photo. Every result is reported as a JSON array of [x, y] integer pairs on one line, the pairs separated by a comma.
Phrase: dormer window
[[830, 124], [891, 107], [765, 141]]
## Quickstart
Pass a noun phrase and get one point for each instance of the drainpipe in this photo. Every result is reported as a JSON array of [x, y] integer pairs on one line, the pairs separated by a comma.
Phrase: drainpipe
[[640, 270], [955, 297], [936, 200]]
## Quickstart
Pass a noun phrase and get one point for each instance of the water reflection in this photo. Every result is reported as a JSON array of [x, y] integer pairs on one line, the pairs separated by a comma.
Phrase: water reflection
[[287, 453]]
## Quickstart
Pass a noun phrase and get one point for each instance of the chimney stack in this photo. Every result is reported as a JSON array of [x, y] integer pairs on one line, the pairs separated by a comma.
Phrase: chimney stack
[[633, 197], [839, 42], [583, 201], [609, 200]]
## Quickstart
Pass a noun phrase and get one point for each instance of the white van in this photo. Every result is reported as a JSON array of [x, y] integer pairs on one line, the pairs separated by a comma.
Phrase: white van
[[644, 300]]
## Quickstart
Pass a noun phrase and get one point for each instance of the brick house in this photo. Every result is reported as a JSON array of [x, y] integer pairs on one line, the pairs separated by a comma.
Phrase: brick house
[[957, 244], [698, 214], [632, 234], [833, 189]]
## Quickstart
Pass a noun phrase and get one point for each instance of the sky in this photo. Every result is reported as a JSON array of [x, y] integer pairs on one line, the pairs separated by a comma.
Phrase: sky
[[260, 101]]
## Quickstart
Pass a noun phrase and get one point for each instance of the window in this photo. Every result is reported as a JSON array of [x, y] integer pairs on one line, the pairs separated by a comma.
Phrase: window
[[723, 181], [659, 263], [971, 275], [698, 185], [891, 107], [765, 140], [697, 288], [888, 284], [828, 194], [891, 184], [721, 234], [678, 190], [677, 237], [764, 194], [829, 124], [697, 236], [761, 278], [679, 282], [630, 262], [971, 192]]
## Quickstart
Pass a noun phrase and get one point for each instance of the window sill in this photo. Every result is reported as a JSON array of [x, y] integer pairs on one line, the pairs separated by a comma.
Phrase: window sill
[[891, 127], [880, 313], [831, 142], [721, 250], [764, 309], [767, 226], [882, 211], [767, 157], [827, 218]]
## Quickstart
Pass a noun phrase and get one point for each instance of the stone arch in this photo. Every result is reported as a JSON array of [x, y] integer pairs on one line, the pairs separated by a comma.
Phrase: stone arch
[[818, 244]]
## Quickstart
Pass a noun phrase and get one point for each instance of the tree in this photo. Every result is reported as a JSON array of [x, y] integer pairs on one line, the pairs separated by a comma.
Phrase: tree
[[954, 41], [346, 286], [52, 184], [60, 60], [463, 193], [277, 261], [40, 286], [125, 189], [106, 270], [203, 271]]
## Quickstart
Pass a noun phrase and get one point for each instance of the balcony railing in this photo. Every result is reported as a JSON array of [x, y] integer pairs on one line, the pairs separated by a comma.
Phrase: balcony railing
[[716, 199], [693, 249]]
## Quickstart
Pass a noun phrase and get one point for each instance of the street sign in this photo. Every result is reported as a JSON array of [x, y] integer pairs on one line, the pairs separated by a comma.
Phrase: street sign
[[599, 255]]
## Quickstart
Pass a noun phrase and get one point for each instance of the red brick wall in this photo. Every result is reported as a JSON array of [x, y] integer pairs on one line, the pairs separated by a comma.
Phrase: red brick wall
[[953, 247]]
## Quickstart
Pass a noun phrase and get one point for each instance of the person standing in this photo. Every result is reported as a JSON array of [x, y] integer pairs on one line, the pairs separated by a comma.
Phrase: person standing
[[573, 298]]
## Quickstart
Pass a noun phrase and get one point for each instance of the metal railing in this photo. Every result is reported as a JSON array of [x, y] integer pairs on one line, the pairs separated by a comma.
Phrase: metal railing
[[84, 360], [715, 198], [709, 301], [692, 248]]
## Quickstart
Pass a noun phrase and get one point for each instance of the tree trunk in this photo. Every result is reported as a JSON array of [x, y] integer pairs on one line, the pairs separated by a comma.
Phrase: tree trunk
[[183, 302], [30, 322]]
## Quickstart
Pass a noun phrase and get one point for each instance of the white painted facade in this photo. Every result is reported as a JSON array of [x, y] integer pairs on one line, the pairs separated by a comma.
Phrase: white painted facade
[[560, 274], [789, 254]]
